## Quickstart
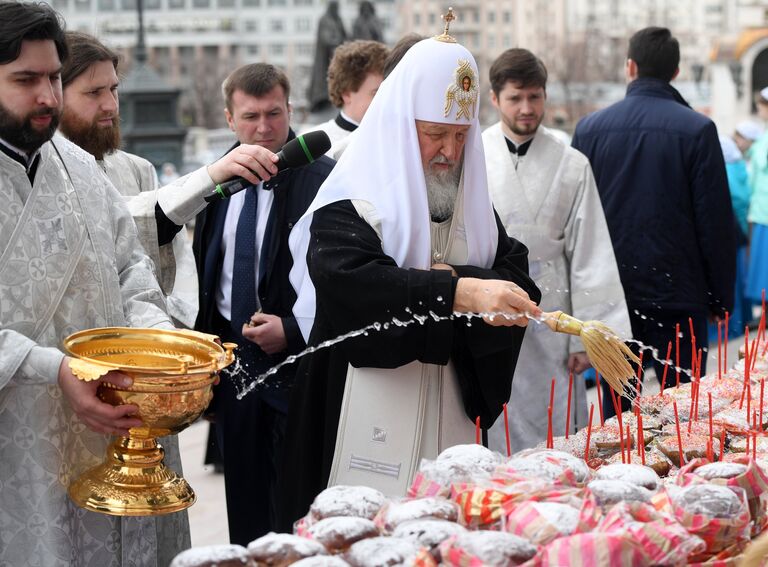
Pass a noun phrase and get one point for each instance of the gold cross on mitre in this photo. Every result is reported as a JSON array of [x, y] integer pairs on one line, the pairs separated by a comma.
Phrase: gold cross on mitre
[[447, 18]]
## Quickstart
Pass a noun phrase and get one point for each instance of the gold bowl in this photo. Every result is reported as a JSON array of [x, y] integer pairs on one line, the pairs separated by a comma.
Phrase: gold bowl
[[173, 373]]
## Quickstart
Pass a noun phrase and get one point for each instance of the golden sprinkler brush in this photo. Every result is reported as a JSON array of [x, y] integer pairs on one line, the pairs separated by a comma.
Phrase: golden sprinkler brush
[[606, 351]]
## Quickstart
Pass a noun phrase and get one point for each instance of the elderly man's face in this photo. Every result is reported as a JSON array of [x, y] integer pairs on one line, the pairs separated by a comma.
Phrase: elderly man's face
[[30, 95], [441, 145]]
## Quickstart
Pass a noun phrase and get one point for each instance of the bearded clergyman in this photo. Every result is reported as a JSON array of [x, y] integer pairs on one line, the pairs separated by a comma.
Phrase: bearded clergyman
[[403, 234], [91, 119], [70, 260]]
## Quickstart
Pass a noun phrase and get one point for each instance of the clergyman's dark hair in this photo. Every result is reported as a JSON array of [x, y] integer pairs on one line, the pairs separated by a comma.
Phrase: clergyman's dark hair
[[255, 79], [519, 66], [399, 50], [656, 53], [21, 21], [84, 51]]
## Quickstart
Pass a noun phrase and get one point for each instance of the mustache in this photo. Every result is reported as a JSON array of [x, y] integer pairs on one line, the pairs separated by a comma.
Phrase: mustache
[[44, 112], [441, 159]]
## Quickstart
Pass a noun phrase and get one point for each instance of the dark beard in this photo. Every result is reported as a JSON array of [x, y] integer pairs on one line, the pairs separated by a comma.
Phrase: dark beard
[[94, 139], [20, 133]]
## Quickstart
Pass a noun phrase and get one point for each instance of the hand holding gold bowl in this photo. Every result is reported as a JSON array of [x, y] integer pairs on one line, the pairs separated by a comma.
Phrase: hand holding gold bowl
[[173, 373]]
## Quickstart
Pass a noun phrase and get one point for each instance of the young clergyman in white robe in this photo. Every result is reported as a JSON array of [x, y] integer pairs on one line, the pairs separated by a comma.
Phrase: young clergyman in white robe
[[545, 194], [402, 228], [69, 260], [354, 76]]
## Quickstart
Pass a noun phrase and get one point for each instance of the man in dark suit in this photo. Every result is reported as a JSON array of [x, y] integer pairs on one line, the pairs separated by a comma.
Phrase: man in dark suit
[[243, 261]]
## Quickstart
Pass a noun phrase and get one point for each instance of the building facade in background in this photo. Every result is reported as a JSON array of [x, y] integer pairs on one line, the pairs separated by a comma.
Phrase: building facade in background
[[195, 44]]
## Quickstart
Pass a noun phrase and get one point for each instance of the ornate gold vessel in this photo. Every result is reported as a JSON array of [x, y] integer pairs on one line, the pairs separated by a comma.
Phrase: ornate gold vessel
[[173, 372]]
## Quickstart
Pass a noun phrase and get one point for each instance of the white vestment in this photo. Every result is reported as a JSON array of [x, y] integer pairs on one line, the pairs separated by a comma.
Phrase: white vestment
[[136, 179], [70, 260], [550, 203], [417, 408], [336, 133]]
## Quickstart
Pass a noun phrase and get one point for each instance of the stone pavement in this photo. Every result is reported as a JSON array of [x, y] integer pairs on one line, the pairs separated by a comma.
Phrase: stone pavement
[[207, 516]]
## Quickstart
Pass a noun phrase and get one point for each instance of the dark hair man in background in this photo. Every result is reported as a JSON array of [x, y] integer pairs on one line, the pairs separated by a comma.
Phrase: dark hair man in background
[[545, 196], [661, 177]]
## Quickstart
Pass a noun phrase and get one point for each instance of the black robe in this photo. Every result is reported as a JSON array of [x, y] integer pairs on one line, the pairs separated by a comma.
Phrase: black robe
[[357, 284]]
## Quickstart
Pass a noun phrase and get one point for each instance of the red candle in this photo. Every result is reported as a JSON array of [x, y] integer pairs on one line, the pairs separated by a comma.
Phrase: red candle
[[693, 345], [762, 388], [550, 435], [589, 431], [629, 445], [666, 367], [552, 393], [617, 409], [753, 355], [506, 431], [477, 430], [711, 429], [698, 386], [679, 438], [726, 333], [677, 355], [568, 411], [746, 367], [550, 438], [754, 446], [599, 398], [642, 437], [719, 349]]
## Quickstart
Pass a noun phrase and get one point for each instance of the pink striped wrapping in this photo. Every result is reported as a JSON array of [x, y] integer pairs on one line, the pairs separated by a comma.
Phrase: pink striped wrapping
[[482, 506], [423, 486], [527, 522], [717, 533], [754, 482], [663, 539], [593, 550]]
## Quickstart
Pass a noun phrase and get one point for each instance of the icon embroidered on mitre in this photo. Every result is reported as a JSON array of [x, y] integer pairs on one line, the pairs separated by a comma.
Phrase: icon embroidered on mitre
[[463, 91]]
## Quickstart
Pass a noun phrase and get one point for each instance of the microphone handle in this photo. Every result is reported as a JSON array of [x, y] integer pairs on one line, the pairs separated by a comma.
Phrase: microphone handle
[[237, 184]]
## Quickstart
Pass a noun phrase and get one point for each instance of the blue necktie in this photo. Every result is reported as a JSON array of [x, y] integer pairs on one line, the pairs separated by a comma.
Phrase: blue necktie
[[244, 299]]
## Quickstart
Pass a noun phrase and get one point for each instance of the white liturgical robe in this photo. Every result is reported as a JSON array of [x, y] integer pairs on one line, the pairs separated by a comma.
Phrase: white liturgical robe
[[550, 203], [69, 260], [136, 179]]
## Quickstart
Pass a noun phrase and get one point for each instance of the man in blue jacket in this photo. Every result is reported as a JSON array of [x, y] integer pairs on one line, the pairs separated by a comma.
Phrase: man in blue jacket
[[662, 181]]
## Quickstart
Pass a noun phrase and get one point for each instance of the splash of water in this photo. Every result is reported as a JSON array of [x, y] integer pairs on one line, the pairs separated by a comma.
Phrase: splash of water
[[246, 386]]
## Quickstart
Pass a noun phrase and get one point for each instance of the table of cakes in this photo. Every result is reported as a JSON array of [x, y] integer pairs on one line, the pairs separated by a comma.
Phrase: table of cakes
[[681, 479]]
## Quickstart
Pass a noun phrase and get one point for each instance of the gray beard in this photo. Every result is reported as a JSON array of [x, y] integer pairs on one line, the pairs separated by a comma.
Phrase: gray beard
[[442, 189]]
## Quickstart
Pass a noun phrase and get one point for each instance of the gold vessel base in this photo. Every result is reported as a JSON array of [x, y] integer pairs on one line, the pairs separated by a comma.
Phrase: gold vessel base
[[133, 481]]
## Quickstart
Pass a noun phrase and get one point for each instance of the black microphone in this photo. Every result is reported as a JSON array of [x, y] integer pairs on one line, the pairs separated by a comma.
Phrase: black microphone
[[300, 151]]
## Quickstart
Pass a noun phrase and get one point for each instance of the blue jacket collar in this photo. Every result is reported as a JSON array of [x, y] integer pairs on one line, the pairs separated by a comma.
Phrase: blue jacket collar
[[647, 86]]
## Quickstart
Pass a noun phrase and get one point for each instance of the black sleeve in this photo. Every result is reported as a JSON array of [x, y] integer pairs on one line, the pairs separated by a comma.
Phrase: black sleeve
[[485, 357], [358, 285], [166, 228]]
